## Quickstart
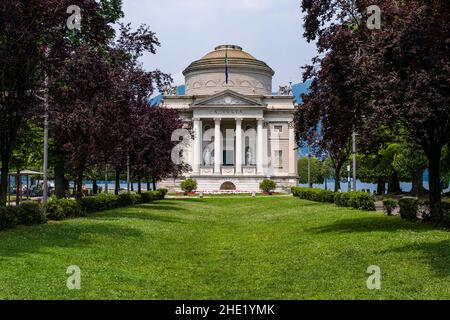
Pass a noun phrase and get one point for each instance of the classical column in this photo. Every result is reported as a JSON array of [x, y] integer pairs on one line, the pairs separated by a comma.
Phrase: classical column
[[238, 162], [259, 147], [217, 147], [197, 147]]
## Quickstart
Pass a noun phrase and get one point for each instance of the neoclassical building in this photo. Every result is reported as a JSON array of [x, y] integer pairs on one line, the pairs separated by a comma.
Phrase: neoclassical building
[[256, 137]]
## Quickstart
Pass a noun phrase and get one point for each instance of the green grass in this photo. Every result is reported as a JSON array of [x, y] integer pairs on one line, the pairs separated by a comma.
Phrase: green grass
[[227, 248]]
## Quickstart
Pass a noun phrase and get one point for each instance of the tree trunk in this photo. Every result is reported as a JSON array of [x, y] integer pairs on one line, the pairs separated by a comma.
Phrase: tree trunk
[[131, 186], [417, 183], [4, 179], [394, 183], [117, 186], [434, 162], [381, 186], [139, 186], [94, 186], [148, 185], [18, 188], [337, 178], [79, 184], [60, 180], [154, 183]]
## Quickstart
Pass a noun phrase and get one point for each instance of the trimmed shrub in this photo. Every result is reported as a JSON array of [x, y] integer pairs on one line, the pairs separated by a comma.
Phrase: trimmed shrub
[[163, 192], [314, 194], [89, 204], [188, 185], [106, 201], [268, 186], [342, 199], [408, 208], [60, 209], [361, 200], [148, 196], [389, 205], [128, 199], [445, 211], [30, 213], [8, 218]]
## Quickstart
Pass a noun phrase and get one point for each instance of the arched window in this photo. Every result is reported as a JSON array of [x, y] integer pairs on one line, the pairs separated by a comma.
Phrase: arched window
[[228, 186]]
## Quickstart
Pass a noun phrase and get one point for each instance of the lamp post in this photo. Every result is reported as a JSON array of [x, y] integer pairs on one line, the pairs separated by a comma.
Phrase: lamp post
[[128, 173], [349, 168], [45, 191], [354, 160], [309, 168]]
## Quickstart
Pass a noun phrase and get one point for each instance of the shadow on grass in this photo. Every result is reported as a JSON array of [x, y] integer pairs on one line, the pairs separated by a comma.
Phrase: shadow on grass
[[63, 235], [436, 254], [370, 224]]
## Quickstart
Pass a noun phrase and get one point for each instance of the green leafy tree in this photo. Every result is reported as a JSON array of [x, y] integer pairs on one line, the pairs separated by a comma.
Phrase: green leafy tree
[[317, 175]]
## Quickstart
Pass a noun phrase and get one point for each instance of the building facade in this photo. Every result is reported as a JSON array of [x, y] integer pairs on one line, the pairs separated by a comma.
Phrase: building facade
[[228, 94]]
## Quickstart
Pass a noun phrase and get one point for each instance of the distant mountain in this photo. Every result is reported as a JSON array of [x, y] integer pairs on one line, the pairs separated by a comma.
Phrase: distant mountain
[[297, 90]]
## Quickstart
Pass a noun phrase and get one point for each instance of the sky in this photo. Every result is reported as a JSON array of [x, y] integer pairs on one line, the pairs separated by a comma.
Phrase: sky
[[270, 30]]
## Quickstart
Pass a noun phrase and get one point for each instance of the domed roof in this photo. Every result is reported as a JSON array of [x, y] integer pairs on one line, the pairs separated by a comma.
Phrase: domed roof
[[237, 59], [232, 52]]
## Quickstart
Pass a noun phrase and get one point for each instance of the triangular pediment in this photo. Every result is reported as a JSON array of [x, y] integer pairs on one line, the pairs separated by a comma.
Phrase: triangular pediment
[[227, 98]]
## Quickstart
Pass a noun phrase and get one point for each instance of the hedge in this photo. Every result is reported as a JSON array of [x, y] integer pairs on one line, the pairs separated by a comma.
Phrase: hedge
[[31, 213], [8, 217], [408, 208], [358, 200]]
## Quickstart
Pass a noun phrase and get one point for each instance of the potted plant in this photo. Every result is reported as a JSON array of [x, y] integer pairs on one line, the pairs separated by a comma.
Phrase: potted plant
[[390, 205], [268, 186], [188, 186]]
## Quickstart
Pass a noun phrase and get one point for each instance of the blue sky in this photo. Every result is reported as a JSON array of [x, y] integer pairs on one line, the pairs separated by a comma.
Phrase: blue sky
[[270, 30]]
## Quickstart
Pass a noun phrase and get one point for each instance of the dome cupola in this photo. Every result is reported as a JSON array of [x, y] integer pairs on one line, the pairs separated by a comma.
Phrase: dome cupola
[[246, 74]]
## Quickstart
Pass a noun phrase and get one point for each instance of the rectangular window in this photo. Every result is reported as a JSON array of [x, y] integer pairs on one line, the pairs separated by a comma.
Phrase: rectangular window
[[278, 129], [278, 161]]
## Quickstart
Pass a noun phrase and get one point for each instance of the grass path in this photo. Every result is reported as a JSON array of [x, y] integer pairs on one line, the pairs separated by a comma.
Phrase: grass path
[[227, 248]]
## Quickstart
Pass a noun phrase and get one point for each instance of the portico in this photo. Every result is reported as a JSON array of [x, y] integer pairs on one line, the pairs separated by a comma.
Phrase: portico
[[242, 133]]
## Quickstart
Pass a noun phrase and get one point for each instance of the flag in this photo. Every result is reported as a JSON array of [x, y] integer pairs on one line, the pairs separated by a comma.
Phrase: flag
[[226, 67]]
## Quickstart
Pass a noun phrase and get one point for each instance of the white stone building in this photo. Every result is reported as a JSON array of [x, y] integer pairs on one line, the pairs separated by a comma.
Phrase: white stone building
[[257, 139]]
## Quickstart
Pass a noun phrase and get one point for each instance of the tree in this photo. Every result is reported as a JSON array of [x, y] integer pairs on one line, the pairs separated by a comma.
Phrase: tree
[[316, 170], [409, 67], [22, 26], [338, 102], [27, 153]]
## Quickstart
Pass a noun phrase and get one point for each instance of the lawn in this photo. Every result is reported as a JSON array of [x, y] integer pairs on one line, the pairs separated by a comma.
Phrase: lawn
[[227, 248]]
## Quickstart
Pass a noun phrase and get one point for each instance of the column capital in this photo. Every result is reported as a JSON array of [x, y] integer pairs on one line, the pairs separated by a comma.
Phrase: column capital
[[238, 119], [217, 119], [196, 119], [260, 120]]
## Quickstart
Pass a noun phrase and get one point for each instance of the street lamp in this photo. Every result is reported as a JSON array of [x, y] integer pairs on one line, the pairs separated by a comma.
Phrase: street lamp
[[354, 160], [349, 168], [309, 168]]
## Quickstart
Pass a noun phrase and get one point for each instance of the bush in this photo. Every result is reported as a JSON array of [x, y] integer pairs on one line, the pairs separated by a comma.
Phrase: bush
[[361, 200], [106, 201], [128, 199], [314, 194], [89, 204], [342, 199], [390, 205], [408, 208], [188, 185], [8, 218], [163, 192], [30, 213], [148, 196], [60, 209], [268, 186], [445, 211]]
